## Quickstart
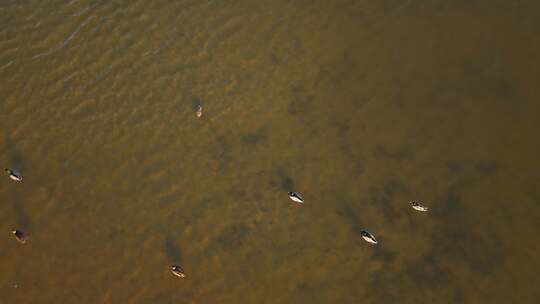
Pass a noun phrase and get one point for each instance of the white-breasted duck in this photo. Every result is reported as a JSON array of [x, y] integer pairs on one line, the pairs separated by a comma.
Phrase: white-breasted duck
[[295, 197], [14, 175], [368, 237], [418, 207], [177, 271]]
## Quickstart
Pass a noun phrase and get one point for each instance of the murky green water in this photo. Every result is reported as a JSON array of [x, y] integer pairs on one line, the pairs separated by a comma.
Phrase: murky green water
[[360, 106]]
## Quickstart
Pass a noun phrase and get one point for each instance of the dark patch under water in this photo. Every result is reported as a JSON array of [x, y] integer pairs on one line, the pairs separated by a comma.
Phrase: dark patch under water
[[173, 250]]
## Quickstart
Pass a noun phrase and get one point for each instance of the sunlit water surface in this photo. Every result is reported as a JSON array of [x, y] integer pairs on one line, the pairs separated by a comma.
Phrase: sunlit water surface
[[360, 106]]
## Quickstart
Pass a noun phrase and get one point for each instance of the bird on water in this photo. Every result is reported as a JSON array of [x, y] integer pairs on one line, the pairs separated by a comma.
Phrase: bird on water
[[418, 207], [14, 175], [19, 236], [177, 271], [295, 197], [198, 111], [368, 237]]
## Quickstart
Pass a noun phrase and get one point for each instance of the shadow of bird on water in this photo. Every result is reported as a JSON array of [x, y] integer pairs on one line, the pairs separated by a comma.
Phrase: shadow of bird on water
[[285, 181], [22, 221], [15, 157], [172, 250]]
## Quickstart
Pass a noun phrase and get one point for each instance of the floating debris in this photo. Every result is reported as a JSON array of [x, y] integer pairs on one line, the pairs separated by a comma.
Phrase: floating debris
[[14, 175], [368, 237], [198, 111], [295, 197], [418, 207], [19, 236], [177, 271]]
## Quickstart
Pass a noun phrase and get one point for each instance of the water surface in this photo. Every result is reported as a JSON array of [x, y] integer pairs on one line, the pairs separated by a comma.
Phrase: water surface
[[361, 106]]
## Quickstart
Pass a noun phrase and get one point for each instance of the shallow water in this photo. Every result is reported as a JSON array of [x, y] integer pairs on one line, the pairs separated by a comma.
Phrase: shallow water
[[360, 106]]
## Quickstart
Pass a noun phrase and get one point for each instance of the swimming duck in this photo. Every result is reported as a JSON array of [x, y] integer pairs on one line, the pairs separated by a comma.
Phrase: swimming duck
[[295, 197], [198, 111], [19, 236], [416, 206], [14, 175], [177, 271], [368, 237]]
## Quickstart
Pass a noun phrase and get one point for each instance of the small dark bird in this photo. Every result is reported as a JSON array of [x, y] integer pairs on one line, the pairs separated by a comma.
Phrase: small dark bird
[[368, 237], [19, 236], [177, 271], [295, 197], [14, 175]]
